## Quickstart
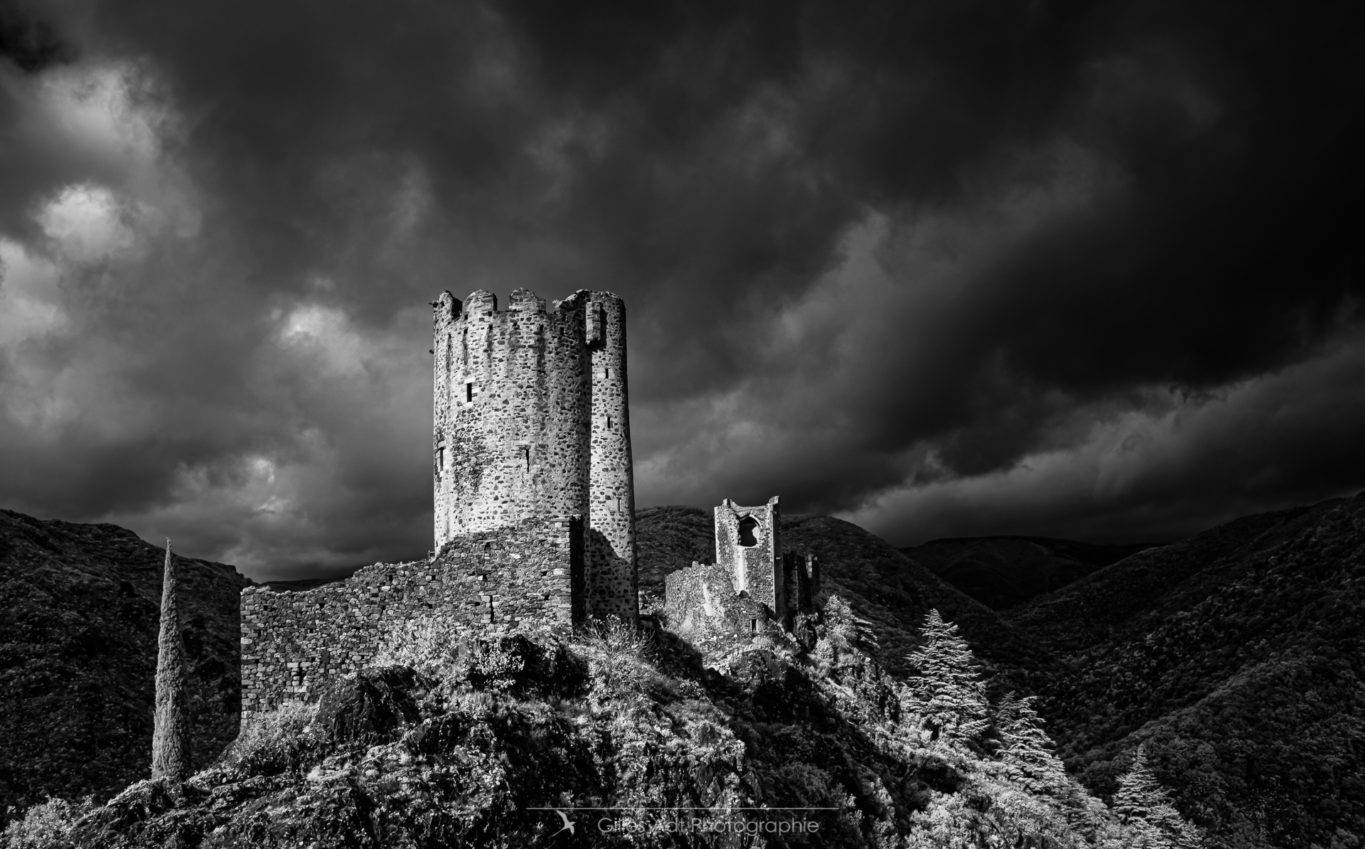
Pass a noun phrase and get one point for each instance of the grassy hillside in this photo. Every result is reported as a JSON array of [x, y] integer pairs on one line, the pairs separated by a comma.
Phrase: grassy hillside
[[78, 655]]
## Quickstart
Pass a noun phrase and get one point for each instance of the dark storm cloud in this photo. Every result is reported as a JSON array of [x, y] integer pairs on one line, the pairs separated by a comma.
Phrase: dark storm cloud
[[1285, 438], [870, 257], [27, 39]]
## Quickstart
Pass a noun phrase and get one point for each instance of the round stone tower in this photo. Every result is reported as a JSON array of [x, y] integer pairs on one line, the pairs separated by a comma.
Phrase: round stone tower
[[612, 586], [531, 420]]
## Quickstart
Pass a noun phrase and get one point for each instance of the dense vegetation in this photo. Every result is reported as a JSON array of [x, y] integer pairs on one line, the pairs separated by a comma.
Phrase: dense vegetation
[[1006, 571], [460, 740], [1238, 659]]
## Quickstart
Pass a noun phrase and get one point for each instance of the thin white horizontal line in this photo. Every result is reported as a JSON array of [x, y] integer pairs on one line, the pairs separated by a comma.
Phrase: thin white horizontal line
[[648, 808]]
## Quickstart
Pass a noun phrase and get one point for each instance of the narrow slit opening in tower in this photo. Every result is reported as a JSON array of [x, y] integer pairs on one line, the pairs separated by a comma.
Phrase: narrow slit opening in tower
[[468, 392], [526, 456], [746, 531], [440, 459]]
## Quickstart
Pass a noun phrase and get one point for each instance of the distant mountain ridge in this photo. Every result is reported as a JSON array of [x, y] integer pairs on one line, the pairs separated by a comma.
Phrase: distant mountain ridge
[[1239, 657], [1003, 572]]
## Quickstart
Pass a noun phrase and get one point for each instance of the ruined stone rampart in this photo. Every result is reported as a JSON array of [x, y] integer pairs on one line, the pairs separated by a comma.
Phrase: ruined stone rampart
[[294, 641]]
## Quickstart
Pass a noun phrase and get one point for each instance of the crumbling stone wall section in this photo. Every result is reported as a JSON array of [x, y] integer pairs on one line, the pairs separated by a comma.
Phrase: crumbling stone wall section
[[531, 418], [748, 544], [292, 642], [801, 578], [702, 599]]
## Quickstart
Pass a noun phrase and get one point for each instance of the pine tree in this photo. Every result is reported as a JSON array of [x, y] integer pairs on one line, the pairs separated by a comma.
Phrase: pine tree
[[170, 734], [1145, 807], [949, 695], [1027, 754]]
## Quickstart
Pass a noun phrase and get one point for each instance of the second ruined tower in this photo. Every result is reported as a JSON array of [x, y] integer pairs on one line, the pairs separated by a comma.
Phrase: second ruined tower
[[531, 420]]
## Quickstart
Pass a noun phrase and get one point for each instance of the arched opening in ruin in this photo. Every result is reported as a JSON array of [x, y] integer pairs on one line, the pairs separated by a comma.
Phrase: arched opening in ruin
[[747, 525]]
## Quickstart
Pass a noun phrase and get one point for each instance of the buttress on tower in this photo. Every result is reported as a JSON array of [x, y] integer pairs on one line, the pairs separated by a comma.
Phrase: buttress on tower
[[531, 421]]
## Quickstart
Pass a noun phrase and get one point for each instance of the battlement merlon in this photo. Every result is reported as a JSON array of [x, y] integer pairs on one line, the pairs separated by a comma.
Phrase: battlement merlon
[[449, 308]]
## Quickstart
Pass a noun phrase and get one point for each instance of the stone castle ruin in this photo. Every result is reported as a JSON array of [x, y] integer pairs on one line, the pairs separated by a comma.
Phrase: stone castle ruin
[[534, 502], [752, 584]]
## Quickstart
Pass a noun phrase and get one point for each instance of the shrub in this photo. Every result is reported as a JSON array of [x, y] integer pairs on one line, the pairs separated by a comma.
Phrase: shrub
[[620, 661], [617, 637], [273, 741], [46, 825], [429, 645], [521, 663]]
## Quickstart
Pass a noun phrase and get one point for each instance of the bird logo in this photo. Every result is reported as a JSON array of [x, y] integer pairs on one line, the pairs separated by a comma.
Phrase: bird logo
[[569, 825]]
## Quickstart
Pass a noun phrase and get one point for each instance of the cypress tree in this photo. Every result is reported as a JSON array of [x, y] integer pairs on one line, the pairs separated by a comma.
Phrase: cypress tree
[[170, 734]]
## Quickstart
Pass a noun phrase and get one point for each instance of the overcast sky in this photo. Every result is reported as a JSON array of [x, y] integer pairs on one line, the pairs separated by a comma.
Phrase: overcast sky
[[942, 268]]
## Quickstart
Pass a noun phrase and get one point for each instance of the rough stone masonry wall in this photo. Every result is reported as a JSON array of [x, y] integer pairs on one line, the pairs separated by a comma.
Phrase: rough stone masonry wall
[[702, 599], [612, 583], [511, 413], [294, 641], [756, 568], [531, 418]]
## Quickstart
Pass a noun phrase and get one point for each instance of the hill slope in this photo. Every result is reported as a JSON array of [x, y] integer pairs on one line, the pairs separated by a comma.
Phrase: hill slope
[[887, 589], [1236, 656], [621, 740], [78, 656], [1240, 656], [1006, 571]]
